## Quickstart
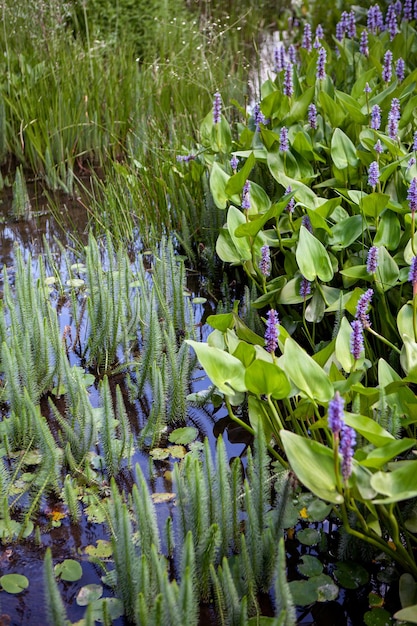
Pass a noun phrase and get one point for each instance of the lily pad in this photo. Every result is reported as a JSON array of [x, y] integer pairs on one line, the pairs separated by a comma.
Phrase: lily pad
[[159, 454], [351, 575], [377, 617], [103, 549], [165, 496], [184, 435], [308, 536], [311, 566], [14, 583], [88, 594], [69, 570], [114, 609]]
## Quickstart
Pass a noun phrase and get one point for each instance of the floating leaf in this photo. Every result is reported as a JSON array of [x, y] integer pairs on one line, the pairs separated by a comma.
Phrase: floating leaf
[[102, 550], [159, 454], [310, 566], [184, 435], [308, 536], [114, 609], [377, 617], [75, 282], [68, 570], [88, 594], [178, 452], [14, 583], [351, 575], [159, 498]]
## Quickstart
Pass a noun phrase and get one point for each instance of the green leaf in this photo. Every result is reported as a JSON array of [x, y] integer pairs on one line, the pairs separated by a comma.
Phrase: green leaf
[[224, 370], [184, 435], [312, 257], [344, 233], [218, 182], [14, 583], [303, 592], [387, 273], [369, 429], [69, 570], [235, 183], [88, 594], [409, 614], [267, 378], [381, 456], [313, 464], [342, 150], [400, 484], [310, 566], [306, 374], [351, 575], [377, 617], [235, 217]]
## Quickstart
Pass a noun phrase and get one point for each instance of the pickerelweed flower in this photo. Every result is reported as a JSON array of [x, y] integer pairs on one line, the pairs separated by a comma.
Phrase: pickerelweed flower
[[306, 223], [391, 21], [372, 260], [319, 32], [307, 38], [362, 308], [272, 331], [373, 174], [411, 162], [246, 195], [363, 45], [265, 265], [367, 88], [279, 58], [400, 69], [375, 20], [378, 147], [234, 162], [394, 118], [292, 54], [305, 287], [217, 108], [415, 138], [312, 116], [291, 205], [376, 117], [412, 274], [408, 10], [321, 64], [185, 158], [340, 31], [259, 117], [356, 340], [283, 139], [387, 68], [335, 414], [412, 195], [351, 25], [347, 443], [288, 88]]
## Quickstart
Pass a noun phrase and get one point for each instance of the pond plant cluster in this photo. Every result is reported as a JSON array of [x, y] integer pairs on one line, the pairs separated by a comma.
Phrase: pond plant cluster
[[307, 199]]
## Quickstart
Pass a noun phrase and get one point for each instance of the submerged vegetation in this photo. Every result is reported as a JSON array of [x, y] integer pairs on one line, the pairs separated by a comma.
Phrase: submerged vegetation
[[290, 182]]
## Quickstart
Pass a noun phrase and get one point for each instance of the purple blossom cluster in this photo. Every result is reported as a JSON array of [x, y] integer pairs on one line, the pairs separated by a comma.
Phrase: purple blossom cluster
[[412, 274], [408, 10], [412, 195], [400, 69], [246, 195], [307, 224], [415, 138], [305, 287], [307, 38], [318, 37], [342, 432], [185, 158], [356, 339], [217, 108], [361, 313], [373, 174], [265, 264], [283, 139], [259, 117], [391, 21], [372, 260], [378, 147], [272, 331], [292, 54], [234, 162], [312, 116], [279, 58], [288, 87], [321, 64], [291, 205], [376, 117], [387, 67], [394, 118], [363, 45], [375, 20]]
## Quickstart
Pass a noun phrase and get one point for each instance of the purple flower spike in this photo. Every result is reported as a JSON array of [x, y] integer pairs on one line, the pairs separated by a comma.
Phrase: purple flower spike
[[265, 263], [292, 54], [321, 63], [363, 46], [351, 25], [291, 205], [185, 158], [372, 260], [411, 162], [373, 174], [272, 331], [412, 195], [283, 140], [234, 162], [246, 195], [367, 88], [307, 37], [378, 147], [217, 108], [387, 69], [305, 287], [288, 87], [412, 275], [400, 70], [415, 138], [375, 20], [312, 116], [259, 117], [356, 340], [347, 443], [408, 10], [376, 117], [279, 58], [335, 414], [307, 224], [394, 118], [391, 21], [362, 308]]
